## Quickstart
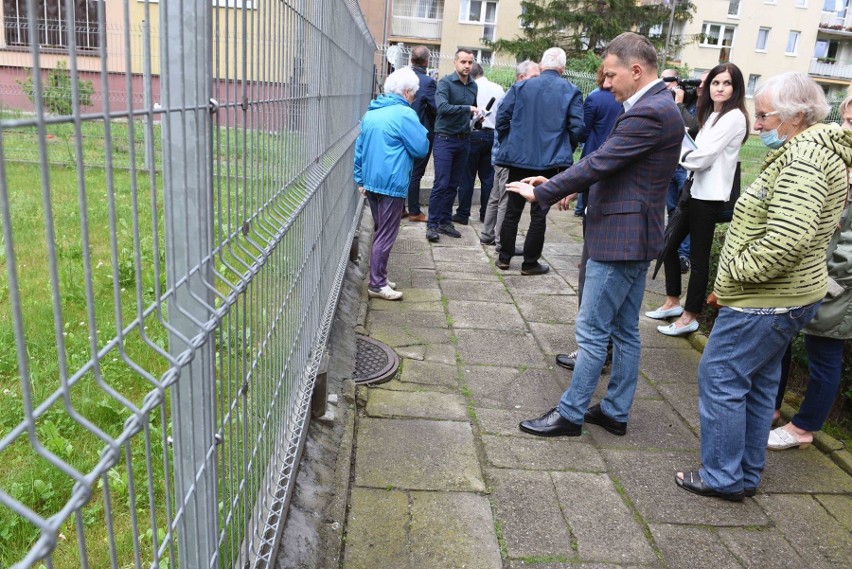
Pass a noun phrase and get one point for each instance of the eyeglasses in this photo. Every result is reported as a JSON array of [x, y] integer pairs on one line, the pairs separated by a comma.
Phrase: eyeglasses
[[762, 116]]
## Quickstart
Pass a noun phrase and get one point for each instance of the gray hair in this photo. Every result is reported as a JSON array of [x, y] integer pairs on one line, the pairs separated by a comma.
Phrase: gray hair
[[523, 67], [553, 58], [792, 93], [844, 104], [402, 80], [476, 71], [630, 47]]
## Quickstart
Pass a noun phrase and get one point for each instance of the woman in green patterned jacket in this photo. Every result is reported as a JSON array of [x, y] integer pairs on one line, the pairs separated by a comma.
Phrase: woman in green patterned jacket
[[771, 279]]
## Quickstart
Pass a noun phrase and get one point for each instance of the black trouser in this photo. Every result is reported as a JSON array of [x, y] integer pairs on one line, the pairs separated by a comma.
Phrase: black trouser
[[701, 228], [534, 242]]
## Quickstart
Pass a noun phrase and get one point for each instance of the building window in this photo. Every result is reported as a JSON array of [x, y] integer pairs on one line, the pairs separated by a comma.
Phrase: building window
[[792, 43], [53, 23], [752, 85], [429, 9], [734, 8], [826, 49], [762, 39], [482, 56], [655, 31], [478, 11], [718, 35], [801, 3]]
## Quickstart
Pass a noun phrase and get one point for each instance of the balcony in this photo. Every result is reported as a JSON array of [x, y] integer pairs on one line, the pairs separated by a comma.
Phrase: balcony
[[413, 27], [830, 70], [838, 23], [421, 19]]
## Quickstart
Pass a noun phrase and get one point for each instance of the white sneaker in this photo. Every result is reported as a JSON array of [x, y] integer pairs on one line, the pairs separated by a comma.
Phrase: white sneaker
[[386, 292], [392, 284]]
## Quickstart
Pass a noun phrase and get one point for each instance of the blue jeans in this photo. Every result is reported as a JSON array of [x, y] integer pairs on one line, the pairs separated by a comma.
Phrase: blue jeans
[[449, 158], [825, 366], [416, 175], [672, 197], [580, 208], [737, 382], [612, 297], [478, 162]]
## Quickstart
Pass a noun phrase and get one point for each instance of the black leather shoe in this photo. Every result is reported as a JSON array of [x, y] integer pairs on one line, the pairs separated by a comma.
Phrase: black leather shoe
[[501, 264], [432, 234], [692, 482], [459, 219], [448, 229], [551, 424], [749, 492], [567, 360], [539, 269], [483, 241], [597, 417]]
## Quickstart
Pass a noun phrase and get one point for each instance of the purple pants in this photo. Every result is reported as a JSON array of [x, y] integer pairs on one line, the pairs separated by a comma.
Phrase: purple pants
[[387, 211]]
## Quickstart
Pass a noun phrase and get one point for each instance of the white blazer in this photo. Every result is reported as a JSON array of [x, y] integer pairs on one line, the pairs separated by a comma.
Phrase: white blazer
[[714, 161]]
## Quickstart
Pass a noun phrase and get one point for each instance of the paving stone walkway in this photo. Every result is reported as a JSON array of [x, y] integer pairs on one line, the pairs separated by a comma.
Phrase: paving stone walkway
[[443, 479]]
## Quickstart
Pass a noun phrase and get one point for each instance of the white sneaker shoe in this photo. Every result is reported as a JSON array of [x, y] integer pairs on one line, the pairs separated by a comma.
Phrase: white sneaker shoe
[[386, 292], [392, 284]]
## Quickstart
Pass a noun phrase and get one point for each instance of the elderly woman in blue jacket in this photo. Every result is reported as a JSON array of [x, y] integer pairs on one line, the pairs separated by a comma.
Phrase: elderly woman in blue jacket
[[391, 139]]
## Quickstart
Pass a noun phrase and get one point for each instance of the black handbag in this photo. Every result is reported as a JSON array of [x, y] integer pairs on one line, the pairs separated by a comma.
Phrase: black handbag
[[727, 212]]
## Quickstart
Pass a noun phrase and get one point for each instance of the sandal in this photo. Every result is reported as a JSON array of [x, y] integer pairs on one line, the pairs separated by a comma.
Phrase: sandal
[[692, 482]]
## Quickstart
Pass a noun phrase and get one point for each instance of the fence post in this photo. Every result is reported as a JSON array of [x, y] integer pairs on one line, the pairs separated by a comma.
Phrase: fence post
[[185, 51]]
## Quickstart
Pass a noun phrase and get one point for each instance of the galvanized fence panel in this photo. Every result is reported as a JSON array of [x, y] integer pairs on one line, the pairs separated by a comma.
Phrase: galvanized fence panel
[[176, 206]]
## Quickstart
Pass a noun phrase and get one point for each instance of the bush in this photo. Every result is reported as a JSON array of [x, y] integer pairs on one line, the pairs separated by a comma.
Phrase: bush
[[57, 95]]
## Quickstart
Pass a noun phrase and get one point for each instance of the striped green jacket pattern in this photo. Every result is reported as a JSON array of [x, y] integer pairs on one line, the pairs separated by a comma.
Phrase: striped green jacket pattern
[[774, 251]]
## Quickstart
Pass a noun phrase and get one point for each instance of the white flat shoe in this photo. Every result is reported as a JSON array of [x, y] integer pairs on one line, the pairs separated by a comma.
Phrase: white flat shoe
[[660, 314], [781, 439], [386, 292], [392, 284], [673, 329]]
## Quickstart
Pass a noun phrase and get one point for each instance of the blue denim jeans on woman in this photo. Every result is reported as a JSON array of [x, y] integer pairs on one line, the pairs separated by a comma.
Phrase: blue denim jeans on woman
[[612, 297], [737, 382]]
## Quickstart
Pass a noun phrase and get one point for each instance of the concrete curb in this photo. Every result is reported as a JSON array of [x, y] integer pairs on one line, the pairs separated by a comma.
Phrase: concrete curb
[[835, 449]]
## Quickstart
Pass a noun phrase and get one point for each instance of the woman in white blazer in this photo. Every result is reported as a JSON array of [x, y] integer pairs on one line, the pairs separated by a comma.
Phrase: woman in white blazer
[[724, 128]]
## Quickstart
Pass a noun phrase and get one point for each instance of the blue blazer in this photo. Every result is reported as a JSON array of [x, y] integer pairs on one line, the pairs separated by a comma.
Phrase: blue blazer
[[599, 113], [628, 177], [424, 99]]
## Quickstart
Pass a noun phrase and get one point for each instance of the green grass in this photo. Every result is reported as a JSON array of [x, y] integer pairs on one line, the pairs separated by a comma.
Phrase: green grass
[[104, 396]]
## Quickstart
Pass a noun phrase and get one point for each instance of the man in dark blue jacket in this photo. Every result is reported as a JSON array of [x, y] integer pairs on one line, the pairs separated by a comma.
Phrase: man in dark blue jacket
[[539, 124], [424, 105]]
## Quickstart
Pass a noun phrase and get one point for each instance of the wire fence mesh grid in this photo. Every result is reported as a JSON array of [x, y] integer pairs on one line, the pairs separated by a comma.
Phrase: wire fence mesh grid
[[176, 203]]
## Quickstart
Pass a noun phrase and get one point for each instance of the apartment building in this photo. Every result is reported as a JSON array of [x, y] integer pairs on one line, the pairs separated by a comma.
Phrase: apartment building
[[763, 37], [767, 37]]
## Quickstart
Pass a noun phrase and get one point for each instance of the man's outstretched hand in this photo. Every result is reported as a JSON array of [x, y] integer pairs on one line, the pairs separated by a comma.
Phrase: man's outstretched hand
[[526, 190]]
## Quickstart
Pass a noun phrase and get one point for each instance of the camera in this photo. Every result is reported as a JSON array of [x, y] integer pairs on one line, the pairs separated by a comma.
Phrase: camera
[[689, 87]]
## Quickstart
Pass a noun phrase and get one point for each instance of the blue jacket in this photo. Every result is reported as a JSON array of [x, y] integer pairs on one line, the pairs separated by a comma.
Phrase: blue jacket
[[424, 100], [599, 113], [391, 138], [539, 123]]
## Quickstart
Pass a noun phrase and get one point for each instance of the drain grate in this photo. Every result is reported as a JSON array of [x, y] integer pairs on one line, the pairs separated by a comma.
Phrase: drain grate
[[375, 362]]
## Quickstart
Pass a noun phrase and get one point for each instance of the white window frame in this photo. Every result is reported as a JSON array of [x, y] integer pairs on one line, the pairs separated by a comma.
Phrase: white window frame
[[802, 4], [722, 29], [464, 12], [751, 85], [477, 55], [757, 46], [790, 36]]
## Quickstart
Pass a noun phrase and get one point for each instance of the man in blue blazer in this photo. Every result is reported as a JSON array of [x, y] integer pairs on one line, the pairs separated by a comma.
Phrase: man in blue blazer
[[628, 178]]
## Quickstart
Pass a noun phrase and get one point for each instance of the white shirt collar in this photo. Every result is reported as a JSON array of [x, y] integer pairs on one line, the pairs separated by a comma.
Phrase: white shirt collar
[[628, 104]]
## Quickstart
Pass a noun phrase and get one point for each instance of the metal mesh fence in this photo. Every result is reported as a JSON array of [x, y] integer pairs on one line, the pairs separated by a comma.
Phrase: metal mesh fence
[[176, 205]]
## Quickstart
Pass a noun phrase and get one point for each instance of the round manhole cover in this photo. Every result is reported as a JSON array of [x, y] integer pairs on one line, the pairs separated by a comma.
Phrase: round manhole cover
[[375, 362]]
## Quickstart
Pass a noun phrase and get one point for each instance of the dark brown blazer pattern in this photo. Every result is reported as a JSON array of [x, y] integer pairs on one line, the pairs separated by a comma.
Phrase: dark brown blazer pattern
[[627, 178]]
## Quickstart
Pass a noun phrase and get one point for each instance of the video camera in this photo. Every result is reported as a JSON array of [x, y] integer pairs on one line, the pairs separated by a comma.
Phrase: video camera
[[689, 86]]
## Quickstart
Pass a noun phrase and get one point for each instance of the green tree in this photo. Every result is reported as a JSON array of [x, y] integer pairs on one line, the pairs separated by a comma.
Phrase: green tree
[[580, 26], [57, 95]]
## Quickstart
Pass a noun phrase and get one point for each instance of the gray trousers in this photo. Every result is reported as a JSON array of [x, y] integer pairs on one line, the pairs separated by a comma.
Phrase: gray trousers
[[495, 210]]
